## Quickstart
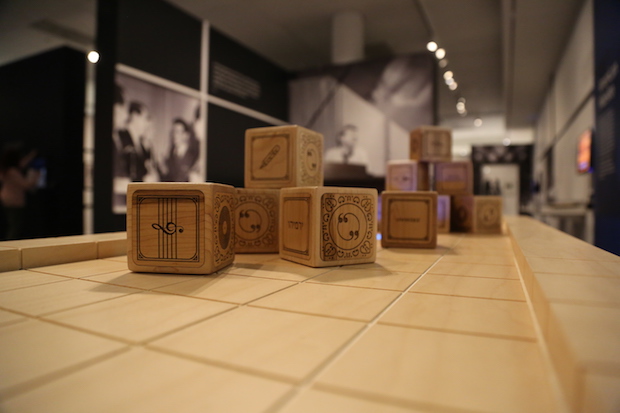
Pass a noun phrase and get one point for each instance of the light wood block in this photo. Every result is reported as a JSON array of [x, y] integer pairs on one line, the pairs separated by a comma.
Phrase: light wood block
[[480, 214], [180, 228], [454, 178], [407, 175], [283, 156], [430, 143], [443, 214], [409, 219], [324, 226], [257, 220]]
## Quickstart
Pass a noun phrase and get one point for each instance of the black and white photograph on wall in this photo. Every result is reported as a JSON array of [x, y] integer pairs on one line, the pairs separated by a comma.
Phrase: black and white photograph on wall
[[158, 136], [365, 111]]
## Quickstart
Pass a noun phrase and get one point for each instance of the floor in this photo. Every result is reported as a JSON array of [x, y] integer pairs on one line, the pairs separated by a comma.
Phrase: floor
[[443, 330]]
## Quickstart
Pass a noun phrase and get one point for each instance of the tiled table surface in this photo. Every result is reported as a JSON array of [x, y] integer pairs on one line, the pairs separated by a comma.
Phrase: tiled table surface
[[450, 329]]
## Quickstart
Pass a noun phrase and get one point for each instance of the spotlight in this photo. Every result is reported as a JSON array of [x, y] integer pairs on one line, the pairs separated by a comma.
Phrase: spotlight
[[93, 56], [477, 122], [453, 86], [448, 75], [440, 54], [443, 63], [431, 46], [506, 142]]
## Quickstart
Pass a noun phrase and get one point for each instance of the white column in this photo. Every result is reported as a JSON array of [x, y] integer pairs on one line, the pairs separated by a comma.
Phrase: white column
[[347, 37]]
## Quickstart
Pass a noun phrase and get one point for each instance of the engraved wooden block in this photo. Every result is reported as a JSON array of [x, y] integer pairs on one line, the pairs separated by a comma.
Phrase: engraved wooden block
[[479, 214], [181, 228], [409, 219], [454, 178], [324, 226], [407, 175], [283, 156], [443, 214], [257, 220], [430, 143]]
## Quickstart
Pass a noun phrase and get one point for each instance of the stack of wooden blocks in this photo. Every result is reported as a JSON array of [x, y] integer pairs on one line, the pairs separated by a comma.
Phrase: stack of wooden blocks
[[429, 193]]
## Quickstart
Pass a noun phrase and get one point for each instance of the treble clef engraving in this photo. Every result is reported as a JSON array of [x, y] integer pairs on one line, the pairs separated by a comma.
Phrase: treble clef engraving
[[169, 229]]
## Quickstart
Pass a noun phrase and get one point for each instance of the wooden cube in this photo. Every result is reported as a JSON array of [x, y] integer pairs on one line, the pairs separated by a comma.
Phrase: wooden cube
[[454, 178], [409, 219], [324, 226], [430, 143], [443, 214], [283, 156], [180, 227], [407, 175], [257, 220], [479, 214]]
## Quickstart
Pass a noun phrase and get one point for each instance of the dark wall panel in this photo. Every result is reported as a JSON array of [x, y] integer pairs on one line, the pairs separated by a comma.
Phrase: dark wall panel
[[42, 107]]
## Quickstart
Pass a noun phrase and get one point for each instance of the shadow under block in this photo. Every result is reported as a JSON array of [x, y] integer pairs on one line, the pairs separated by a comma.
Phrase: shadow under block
[[479, 214], [431, 144], [283, 156], [407, 175], [454, 178], [180, 228], [257, 220], [443, 214], [409, 219], [326, 226]]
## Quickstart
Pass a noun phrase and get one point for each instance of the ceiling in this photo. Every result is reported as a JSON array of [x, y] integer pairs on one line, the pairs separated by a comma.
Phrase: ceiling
[[502, 52]]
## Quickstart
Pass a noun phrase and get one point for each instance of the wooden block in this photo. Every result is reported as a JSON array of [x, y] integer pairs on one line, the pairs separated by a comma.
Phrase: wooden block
[[479, 214], [283, 156], [257, 220], [454, 178], [430, 143], [443, 214], [180, 227], [324, 226], [407, 175], [409, 219]]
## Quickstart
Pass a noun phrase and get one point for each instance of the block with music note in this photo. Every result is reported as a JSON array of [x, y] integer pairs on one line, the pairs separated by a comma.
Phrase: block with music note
[[257, 220], [180, 227], [479, 214], [283, 156], [328, 226], [409, 219]]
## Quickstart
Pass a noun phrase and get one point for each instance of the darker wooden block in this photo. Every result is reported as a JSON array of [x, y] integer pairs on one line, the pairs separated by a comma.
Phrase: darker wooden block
[[454, 178], [409, 219], [324, 226], [283, 156], [431, 144], [479, 214], [257, 220], [407, 175], [180, 228]]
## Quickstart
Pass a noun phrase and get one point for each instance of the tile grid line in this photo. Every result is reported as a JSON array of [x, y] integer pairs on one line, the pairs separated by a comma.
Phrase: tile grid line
[[310, 380]]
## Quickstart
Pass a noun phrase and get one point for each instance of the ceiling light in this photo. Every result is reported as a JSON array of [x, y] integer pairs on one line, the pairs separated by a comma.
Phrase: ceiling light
[[440, 54], [449, 81], [93, 56], [448, 75], [463, 114], [461, 99], [431, 46], [460, 107], [477, 122], [506, 142], [453, 86], [443, 63]]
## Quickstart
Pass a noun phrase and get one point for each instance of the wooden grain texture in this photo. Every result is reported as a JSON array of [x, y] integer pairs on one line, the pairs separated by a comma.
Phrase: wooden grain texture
[[257, 226], [180, 227], [443, 214], [479, 214], [409, 219], [326, 226], [430, 143], [407, 175], [283, 156], [454, 178]]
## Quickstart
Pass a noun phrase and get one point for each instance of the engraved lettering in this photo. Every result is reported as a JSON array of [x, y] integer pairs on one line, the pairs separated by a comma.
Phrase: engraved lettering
[[295, 224], [408, 219]]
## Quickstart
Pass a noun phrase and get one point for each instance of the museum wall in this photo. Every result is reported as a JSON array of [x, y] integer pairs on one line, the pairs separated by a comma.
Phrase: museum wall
[[42, 106]]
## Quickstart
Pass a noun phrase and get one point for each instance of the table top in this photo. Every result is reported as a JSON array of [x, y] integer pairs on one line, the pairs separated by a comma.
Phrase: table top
[[462, 327]]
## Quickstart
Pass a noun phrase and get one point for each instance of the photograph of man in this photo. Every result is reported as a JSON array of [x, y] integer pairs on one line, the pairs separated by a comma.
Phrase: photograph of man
[[183, 155], [133, 160], [347, 151]]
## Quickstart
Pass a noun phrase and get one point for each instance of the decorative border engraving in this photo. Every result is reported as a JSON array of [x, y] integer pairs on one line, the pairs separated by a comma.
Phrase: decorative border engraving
[[223, 227], [166, 225], [266, 159], [305, 199], [260, 211], [487, 214], [356, 211], [428, 221], [310, 158]]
